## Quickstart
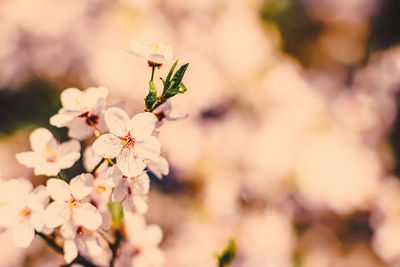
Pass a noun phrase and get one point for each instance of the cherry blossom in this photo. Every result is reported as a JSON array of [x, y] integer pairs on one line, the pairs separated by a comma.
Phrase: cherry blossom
[[131, 190], [142, 249], [82, 111], [48, 156], [71, 203], [158, 166], [169, 111], [155, 54], [88, 242], [21, 210], [130, 141]]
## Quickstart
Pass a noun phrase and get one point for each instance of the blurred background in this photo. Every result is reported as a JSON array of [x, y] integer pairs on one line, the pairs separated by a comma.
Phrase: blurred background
[[292, 143]]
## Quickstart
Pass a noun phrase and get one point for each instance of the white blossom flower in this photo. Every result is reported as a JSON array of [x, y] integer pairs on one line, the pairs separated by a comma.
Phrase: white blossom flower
[[129, 141], [78, 238], [131, 190], [156, 54], [21, 210], [158, 166], [70, 203], [142, 249], [48, 156], [82, 111], [169, 111]]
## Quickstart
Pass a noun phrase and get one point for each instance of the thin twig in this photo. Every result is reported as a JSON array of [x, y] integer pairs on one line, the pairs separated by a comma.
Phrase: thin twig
[[97, 166], [114, 247]]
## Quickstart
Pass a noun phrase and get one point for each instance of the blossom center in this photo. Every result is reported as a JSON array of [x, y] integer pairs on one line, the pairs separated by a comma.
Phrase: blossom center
[[128, 141], [160, 115], [136, 251], [50, 155], [25, 212], [51, 158], [100, 189], [154, 64], [79, 230], [72, 203], [90, 119]]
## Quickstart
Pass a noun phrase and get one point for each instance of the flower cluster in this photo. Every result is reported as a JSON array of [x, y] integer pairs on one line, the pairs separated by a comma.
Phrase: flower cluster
[[96, 217]]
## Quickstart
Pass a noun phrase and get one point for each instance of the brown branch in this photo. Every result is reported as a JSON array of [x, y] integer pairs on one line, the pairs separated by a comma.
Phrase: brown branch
[[115, 246]]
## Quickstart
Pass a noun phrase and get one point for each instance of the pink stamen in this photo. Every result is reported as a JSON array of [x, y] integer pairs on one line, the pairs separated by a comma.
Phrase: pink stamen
[[79, 230], [128, 141]]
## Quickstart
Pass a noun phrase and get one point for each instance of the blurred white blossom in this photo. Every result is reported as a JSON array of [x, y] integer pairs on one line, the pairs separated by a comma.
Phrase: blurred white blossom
[[48, 156]]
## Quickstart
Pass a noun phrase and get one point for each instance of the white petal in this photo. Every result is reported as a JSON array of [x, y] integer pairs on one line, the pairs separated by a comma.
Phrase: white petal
[[71, 146], [69, 154], [153, 235], [92, 245], [79, 129], [71, 99], [47, 168], [8, 216], [39, 139], [87, 215], [68, 230], [135, 204], [148, 149], [56, 214], [37, 221], [121, 191], [30, 159], [60, 119], [138, 48], [81, 185], [134, 223], [158, 166], [140, 204], [129, 164], [58, 189], [95, 94], [90, 160], [115, 174], [38, 198], [142, 125], [140, 184], [117, 121], [107, 146], [20, 186], [23, 234], [70, 250]]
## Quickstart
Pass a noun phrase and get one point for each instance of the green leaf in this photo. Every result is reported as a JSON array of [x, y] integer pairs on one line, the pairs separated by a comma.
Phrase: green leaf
[[167, 81], [182, 88], [178, 76], [151, 98], [174, 91], [163, 81], [227, 255], [116, 212]]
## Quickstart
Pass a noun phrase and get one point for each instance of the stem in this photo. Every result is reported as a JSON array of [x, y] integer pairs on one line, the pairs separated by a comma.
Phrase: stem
[[97, 166], [152, 72], [110, 161], [114, 247], [50, 242], [79, 259]]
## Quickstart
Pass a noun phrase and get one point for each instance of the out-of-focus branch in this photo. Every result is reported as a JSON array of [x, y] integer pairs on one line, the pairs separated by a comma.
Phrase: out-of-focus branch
[[115, 246]]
